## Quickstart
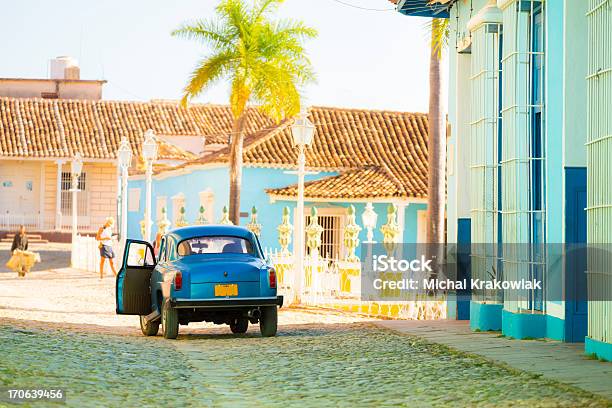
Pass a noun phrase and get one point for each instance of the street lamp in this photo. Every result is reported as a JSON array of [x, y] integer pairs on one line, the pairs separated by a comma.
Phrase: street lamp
[[303, 131], [124, 159], [369, 218], [149, 154], [76, 166]]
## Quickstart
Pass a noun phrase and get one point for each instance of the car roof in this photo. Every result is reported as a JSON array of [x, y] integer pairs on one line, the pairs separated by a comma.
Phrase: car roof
[[210, 230]]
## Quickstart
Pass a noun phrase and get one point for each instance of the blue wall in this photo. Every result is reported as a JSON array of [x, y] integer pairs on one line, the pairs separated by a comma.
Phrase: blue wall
[[254, 183], [190, 185]]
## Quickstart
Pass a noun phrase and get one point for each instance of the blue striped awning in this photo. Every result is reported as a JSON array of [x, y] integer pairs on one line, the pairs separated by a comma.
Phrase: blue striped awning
[[423, 8]]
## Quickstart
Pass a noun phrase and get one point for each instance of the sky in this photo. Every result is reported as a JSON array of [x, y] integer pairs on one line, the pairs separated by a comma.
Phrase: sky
[[362, 58]]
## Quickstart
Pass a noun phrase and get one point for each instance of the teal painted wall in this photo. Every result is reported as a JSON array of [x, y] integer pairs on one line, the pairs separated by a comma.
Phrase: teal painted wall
[[566, 116], [575, 95], [554, 121], [254, 183], [458, 202], [525, 325], [134, 217], [485, 317], [190, 185]]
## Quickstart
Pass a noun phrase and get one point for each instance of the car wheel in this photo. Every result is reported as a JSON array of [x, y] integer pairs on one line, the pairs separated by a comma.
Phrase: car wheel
[[239, 325], [170, 323], [149, 328], [268, 321]]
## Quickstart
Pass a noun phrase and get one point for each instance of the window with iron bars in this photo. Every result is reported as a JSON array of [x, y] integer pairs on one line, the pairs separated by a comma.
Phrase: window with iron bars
[[66, 195], [331, 238]]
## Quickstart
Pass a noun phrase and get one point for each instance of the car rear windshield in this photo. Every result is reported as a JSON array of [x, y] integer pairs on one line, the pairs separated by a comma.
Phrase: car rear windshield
[[215, 245]]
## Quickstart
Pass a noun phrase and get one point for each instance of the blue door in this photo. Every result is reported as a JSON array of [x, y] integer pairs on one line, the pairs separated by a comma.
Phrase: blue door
[[133, 286], [576, 255]]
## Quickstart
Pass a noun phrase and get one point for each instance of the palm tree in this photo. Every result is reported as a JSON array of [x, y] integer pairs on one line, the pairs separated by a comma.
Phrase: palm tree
[[263, 60], [436, 183]]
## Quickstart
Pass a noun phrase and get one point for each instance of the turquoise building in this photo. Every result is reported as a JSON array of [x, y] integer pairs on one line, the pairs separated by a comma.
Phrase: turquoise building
[[530, 86], [357, 157]]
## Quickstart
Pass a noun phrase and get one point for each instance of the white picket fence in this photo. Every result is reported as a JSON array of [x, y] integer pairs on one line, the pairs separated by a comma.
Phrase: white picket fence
[[39, 222], [86, 254]]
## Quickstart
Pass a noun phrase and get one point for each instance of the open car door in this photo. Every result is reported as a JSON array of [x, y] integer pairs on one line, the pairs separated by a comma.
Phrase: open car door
[[133, 288]]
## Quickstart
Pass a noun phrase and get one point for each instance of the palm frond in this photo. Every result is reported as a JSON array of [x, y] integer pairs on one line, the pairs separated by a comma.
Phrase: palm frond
[[264, 60], [234, 15], [205, 31], [263, 7], [439, 32], [295, 28], [207, 72]]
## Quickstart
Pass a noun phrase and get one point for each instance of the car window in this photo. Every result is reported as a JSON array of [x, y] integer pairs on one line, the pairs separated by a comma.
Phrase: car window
[[139, 255], [215, 245], [171, 251]]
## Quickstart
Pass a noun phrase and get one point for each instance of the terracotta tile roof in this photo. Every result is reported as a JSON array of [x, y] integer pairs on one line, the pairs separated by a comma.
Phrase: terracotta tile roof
[[389, 149], [51, 128], [361, 183], [348, 139]]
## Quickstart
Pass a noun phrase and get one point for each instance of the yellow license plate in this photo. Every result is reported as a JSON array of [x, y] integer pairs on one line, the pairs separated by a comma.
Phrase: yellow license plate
[[226, 290]]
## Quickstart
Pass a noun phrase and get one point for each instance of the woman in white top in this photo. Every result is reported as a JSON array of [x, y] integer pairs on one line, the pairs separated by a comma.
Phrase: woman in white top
[[105, 236]]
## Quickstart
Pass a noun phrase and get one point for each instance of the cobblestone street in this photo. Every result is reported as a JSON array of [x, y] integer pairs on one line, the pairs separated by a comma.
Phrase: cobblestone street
[[311, 365], [58, 329]]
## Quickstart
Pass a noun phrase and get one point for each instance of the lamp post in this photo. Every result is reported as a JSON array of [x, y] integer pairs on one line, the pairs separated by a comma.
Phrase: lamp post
[[76, 166], [369, 218], [124, 158], [303, 131], [149, 154]]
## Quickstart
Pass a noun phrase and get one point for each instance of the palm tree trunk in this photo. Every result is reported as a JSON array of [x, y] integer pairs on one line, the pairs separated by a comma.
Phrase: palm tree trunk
[[436, 149], [235, 164]]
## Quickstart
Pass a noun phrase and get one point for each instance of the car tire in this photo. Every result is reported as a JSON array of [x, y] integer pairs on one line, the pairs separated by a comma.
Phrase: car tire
[[149, 328], [239, 325], [269, 321], [170, 322]]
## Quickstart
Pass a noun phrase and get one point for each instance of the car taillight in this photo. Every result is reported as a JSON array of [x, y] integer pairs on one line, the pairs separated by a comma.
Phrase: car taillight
[[178, 281], [272, 278]]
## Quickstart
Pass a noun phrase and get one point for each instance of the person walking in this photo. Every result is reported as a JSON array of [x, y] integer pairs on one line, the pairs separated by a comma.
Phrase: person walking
[[105, 237], [20, 243]]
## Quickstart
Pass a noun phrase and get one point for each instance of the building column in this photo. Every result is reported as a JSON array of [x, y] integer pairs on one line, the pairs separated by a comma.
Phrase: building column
[[58, 196], [41, 197], [401, 219]]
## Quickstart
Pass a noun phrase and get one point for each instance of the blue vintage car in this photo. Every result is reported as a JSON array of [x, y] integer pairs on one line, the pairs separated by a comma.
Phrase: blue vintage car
[[213, 273]]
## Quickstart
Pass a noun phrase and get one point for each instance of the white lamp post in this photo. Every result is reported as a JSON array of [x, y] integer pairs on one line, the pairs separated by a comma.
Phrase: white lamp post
[[369, 218], [303, 131], [76, 166], [149, 154], [124, 159]]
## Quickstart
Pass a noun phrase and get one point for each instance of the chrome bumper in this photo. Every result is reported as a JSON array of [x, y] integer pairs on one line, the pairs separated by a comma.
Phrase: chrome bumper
[[222, 303]]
